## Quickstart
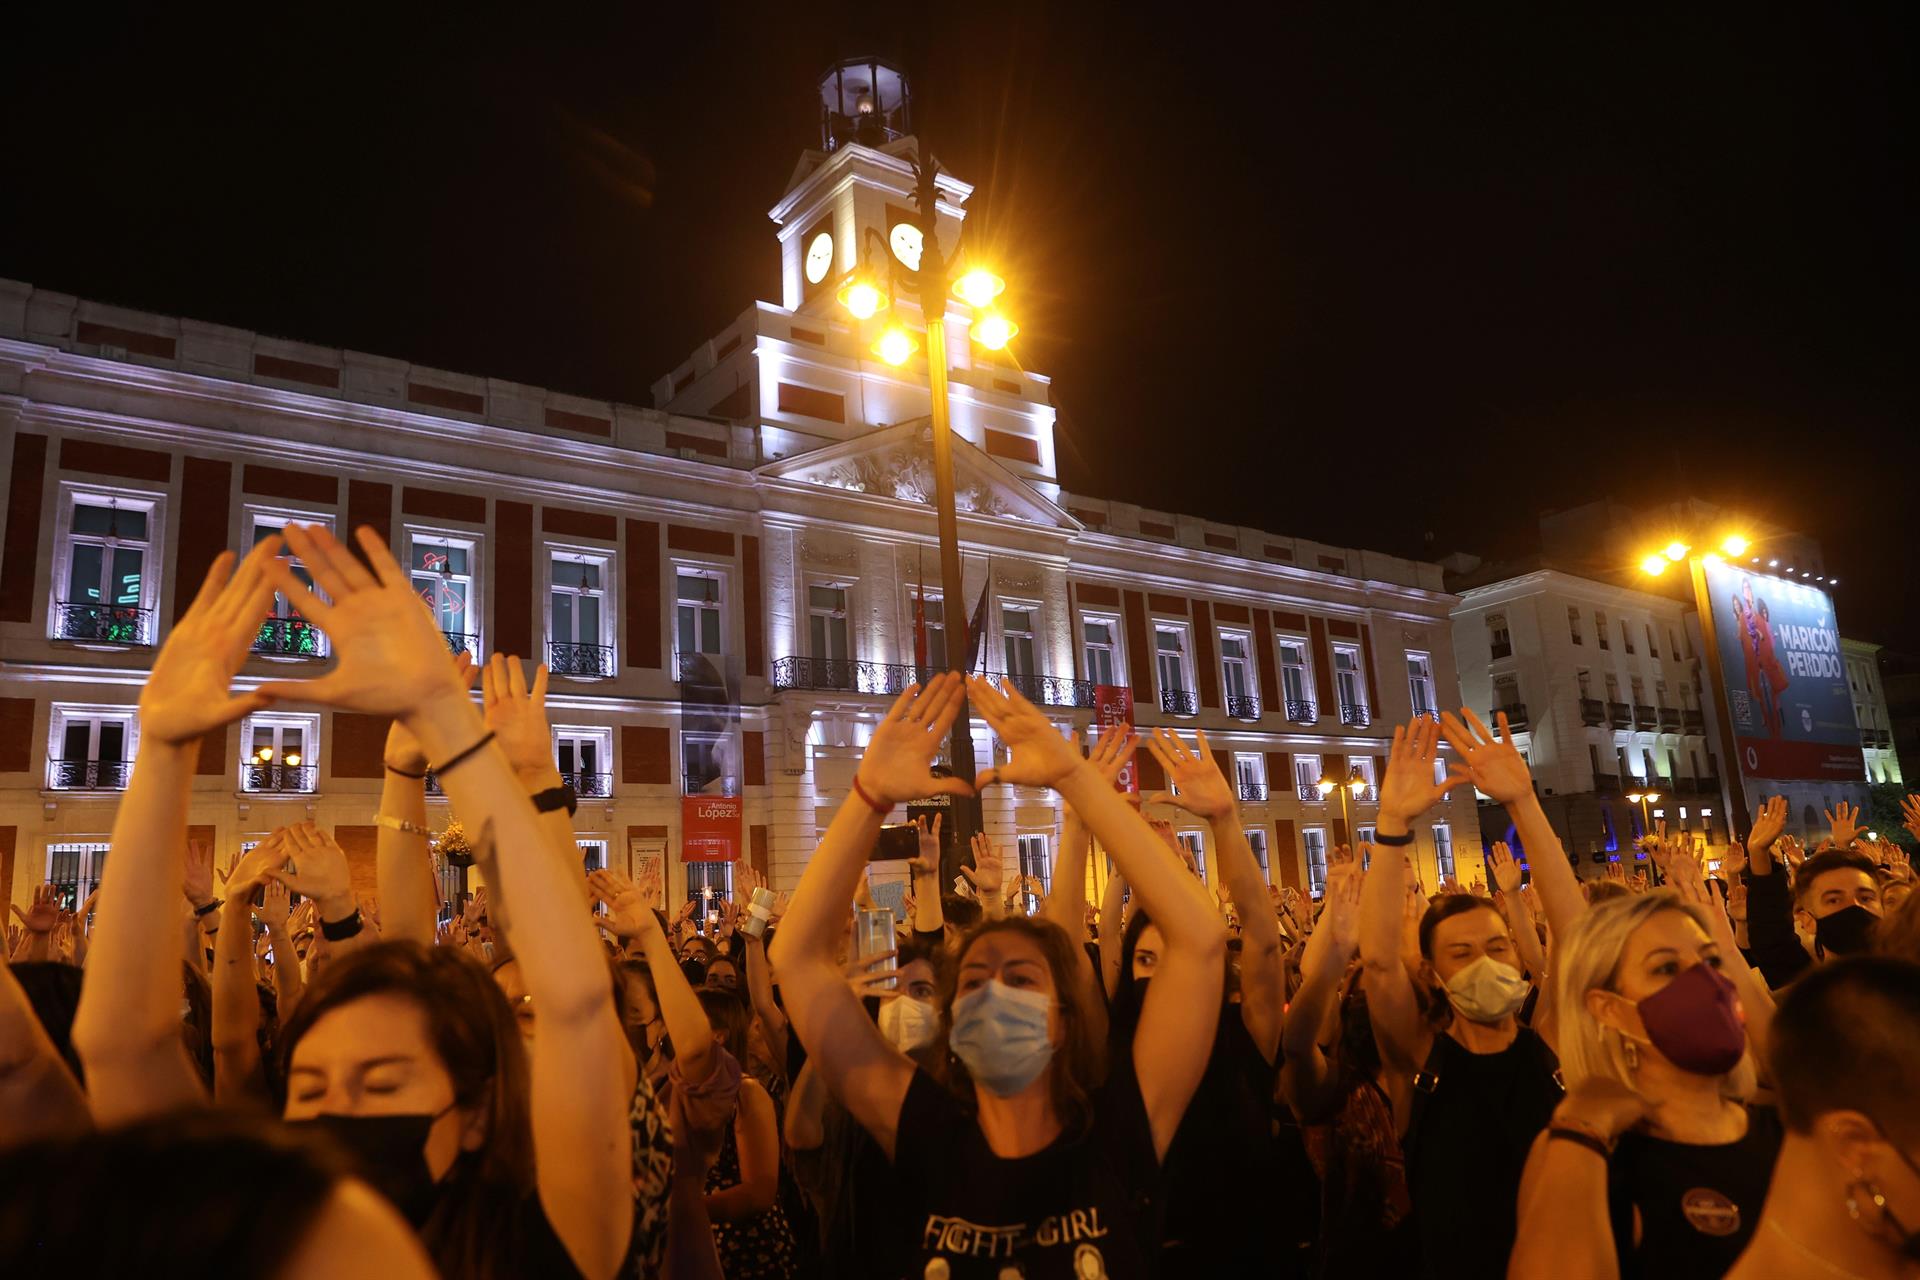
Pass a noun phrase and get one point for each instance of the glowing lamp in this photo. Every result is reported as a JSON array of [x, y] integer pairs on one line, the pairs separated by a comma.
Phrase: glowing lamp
[[1326, 786], [1677, 551], [1654, 565], [1357, 785], [266, 753], [978, 288], [1733, 544], [293, 758], [896, 346], [1635, 797], [860, 298], [994, 331]]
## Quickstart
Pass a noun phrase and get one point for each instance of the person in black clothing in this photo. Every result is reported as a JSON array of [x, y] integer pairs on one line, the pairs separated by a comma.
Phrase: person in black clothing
[[1836, 895]]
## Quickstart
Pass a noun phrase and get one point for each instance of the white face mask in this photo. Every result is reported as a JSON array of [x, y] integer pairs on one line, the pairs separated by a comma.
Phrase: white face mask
[[1487, 990], [907, 1023]]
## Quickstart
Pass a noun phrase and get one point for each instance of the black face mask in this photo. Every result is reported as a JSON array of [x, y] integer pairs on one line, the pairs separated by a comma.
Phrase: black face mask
[[1848, 931], [390, 1154]]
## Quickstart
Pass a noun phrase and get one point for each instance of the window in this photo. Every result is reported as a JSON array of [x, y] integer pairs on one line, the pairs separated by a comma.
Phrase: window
[[1639, 691], [1035, 862], [91, 748], [578, 619], [1600, 628], [1306, 778], [1236, 676], [1170, 663], [1584, 678], [707, 765], [1440, 772], [1660, 693], [1250, 775], [827, 625], [106, 550], [74, 870], [696, 616], [1363, 842], [1613, 687], [1420, 684], [585, 757], [1101, 639], [1443, 849], [1626, 636], [1295, 681], [1315, 841], [1257, 841], [442, 570], [1573, 623], [1673, 646], [1346, 682], [1653, 646], [1506, 695], [593, 852], [1497, 633], [1016, 638], [279, 754], [709, 880], [933, 610], [1363, 769], [1196, 846], [283, 632]]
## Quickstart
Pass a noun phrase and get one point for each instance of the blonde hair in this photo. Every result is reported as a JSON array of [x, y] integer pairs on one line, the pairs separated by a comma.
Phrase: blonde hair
[[1588, 959]]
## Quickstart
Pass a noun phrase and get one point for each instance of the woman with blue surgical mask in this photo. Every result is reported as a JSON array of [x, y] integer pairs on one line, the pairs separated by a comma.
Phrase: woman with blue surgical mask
[[1026, 1161]]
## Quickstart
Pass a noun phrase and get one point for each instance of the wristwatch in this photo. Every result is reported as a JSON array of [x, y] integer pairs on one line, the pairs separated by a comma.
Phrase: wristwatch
[[560, 797]]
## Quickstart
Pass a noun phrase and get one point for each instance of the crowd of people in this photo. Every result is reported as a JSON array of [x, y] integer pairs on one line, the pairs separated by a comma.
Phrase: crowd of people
[[256, 1069]]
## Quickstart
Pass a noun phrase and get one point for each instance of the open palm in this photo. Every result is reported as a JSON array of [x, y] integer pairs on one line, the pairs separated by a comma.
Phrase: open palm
[[1203, 789], [898, 764], [1041, 754], [517, 712], [1408, 790], [1492, 764], [188, 692]]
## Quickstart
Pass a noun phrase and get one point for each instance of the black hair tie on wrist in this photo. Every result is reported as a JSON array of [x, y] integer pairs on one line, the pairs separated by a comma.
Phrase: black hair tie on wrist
[[443, 769]]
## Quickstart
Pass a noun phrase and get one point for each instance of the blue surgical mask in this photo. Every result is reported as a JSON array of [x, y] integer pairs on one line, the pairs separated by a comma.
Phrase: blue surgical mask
[[1000, 1035]]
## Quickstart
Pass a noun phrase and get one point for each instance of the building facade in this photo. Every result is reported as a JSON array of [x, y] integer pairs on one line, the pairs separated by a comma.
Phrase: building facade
[[1870, 713], [723, 584]]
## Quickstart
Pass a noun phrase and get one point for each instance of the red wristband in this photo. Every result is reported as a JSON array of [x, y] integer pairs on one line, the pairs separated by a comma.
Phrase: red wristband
[[882, 809]]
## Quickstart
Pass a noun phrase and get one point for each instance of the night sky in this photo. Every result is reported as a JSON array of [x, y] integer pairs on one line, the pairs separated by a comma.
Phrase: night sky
[[1392, 279]]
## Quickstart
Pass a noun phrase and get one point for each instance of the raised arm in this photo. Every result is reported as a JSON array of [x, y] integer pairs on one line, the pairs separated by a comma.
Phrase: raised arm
[[39, 1098], [127, 1029], [403, 858], [1182, 1009], [860, 1067], [1205, 791], [320, 872], [393, 662], [236, 1001], [989, 876], [1113, 928], [630, 915], [773, 1019], [1305, 1075], [517, 713], [928, 917], [276, 911]]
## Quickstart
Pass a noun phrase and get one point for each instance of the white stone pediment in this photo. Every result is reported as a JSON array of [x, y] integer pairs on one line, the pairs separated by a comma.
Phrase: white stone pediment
[[897, 462]]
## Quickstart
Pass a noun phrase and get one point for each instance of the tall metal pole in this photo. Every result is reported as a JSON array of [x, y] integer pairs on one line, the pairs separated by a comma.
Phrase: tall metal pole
[[1739, 820]]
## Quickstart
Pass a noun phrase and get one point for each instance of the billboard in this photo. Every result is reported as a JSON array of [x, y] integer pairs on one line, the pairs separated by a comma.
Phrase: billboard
[[1113, 705], [1786, 685], [710, 828]]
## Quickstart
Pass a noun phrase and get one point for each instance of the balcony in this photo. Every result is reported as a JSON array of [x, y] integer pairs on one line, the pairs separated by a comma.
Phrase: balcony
[[1179, 702], [888, 679], [1670, 719], [1243, 706], [1427, 713], [1254, 792], [1048, 691], [290, 638], [1645, 717], [1694, 721], [701, 783], [1502, 649], [1309, 793], [462, 642], [89, 775], [1301, 711], [586, 661], [1620, 715], [292, 778], [1368, 794], [103, 623], [589, 786], [1876, 738], [1516, 714], [1592, 712], [1355, 715], [1606, 782], [691, 668]]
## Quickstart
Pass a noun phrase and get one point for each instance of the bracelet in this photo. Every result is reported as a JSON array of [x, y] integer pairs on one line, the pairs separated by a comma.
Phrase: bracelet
[[882, 809], [392, 823], [1582, 1138], [556, 798], [1394, 842], [341, 930], [203, 912], [402, 773], [466, 755]]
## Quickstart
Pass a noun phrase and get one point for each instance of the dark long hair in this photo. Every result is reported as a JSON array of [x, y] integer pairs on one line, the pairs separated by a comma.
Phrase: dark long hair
[[1076, 1068], [1129, 993], [472, 1231]]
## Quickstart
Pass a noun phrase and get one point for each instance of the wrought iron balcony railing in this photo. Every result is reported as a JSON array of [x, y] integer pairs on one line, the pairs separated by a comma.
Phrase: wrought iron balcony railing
[[89, 775], [1620, 715], [1593, 711], [278, 777], [695, 666], [1368, 794], [1048, 691], [1670, 719], [1179, 702], [290, 638], [1355, 714], [888, 679], [1253, 791], [594, 661], [103, 623], [462, 642], [1644, 716], [1516, 713], [1426, 713], [1302, 710], [589, 786], [1309, 793], [710, 784], [1243, 706], [1695, 721]]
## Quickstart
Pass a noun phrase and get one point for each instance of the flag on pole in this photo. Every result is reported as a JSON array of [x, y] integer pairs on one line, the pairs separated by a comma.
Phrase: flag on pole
[[977, 625]]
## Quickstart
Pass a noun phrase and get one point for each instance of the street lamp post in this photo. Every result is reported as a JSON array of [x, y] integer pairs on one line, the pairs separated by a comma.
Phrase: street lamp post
[[1354, 783]]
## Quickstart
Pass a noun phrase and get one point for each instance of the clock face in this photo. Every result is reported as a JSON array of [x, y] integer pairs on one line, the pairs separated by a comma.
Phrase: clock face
[[819, 257], [905, 242]]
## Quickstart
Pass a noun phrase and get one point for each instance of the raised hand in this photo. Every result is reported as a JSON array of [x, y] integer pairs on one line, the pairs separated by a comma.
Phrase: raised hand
[[1617, 874], [1479, 888], [1768, 823], [1734, 861], [629, 908], [1203, 789], [320, 871], [1910, 814], [276, 905], [1111, 752], [188, 692], [392, 659], [898, 764], [43, 911], [1341, 918], [988, 870], [1638, 882], [1506, 872], [927, 861], [1737, 902], [1041, 756], [404, 754], [1844, 822], [1492, 764], [1407, 789], [1341, 855], [1791, 852], [250, 872], [517, 713], [197, 882]]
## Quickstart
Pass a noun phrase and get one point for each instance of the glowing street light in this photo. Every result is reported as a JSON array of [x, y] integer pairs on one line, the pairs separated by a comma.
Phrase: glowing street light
[[994, 331], [861, 298], [895, 345], [978, 288], [1733, 544], [1677, 551], [1654, 565]]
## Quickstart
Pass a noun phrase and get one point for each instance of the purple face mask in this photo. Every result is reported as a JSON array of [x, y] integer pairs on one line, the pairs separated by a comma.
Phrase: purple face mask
[[1696, 1022]]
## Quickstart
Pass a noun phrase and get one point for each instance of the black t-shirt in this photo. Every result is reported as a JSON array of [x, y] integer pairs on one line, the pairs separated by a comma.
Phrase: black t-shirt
[[1698, 1205], [1083, 1207], [1469, 1141]]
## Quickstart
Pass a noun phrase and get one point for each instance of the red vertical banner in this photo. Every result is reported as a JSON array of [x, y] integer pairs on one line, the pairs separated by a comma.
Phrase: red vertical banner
[[1113, 704], [710, 828]]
